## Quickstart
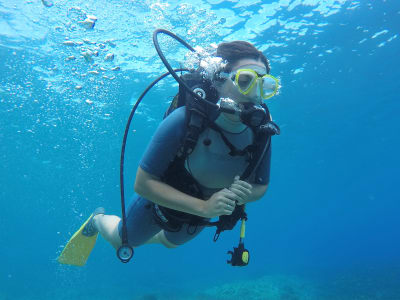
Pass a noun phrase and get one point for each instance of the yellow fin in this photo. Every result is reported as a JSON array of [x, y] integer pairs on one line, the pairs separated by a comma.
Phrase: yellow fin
[[78, 248]]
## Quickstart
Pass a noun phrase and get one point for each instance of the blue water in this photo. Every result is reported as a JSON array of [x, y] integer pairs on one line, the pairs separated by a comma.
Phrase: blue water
[[328, 227]]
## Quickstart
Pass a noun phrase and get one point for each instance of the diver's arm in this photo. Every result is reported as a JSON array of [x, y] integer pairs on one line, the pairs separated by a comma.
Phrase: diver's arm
[[151, 188], [257, 192]]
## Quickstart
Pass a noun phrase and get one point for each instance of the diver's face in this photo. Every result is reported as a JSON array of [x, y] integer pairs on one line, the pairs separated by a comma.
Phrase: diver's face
[[229, 90]]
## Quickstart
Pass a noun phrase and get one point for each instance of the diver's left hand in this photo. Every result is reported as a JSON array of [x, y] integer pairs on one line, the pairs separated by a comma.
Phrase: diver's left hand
[[242, 189]]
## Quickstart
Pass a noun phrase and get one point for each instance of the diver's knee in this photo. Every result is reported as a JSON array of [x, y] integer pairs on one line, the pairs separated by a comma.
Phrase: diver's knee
[[163, 239], [170, 245]]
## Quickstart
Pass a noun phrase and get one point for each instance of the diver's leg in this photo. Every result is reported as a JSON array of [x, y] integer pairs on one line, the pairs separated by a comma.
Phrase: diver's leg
[[160, 238], [175, 239], [140, 224], [107, 226]]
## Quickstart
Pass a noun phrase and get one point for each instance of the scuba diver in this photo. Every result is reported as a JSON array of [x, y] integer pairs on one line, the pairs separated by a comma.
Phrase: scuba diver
[[193, 168]]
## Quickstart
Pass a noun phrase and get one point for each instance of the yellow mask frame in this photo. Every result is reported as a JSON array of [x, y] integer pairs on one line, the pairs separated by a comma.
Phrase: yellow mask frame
[[255, 78]]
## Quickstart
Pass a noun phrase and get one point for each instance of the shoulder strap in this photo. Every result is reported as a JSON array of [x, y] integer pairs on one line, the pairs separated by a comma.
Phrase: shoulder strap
[[198, 114], [196, 122]]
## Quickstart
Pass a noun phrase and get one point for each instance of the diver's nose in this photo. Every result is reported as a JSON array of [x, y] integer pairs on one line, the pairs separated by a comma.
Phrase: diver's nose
[[257, 92]]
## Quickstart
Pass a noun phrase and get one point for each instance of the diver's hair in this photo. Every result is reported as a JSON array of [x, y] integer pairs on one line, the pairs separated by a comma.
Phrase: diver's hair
[[237, 50]]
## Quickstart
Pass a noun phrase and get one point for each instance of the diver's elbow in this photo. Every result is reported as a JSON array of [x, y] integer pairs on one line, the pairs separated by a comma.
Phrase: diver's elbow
[[143, 182], [137, 188]]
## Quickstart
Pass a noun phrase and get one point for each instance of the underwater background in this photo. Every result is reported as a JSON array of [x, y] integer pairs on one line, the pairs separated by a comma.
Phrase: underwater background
[[328, 227]]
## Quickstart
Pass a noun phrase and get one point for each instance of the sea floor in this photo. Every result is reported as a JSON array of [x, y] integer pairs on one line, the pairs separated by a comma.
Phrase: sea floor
[[351, 285]]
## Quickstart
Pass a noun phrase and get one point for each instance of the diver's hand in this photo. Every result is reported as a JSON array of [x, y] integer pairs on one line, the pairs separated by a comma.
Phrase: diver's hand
[[220, 203], [242, 190]]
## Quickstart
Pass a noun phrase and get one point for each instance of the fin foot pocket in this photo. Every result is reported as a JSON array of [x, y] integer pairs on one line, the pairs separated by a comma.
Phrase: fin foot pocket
[[89, 230]]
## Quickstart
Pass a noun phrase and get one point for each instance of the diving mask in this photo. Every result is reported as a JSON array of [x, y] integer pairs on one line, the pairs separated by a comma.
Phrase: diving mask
[[246, 80]]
